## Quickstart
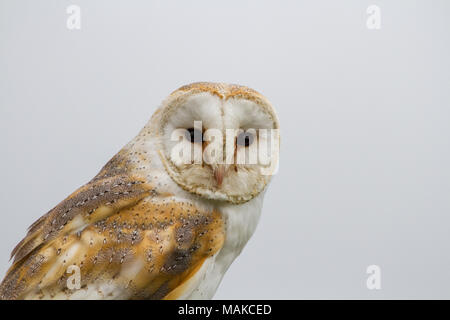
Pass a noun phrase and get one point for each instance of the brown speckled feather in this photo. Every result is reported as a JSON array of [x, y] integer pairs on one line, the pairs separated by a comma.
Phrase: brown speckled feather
[[116, 228]]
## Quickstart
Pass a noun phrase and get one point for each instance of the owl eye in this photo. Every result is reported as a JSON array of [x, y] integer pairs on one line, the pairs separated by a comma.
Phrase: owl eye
[[194, 135], [245, 139]]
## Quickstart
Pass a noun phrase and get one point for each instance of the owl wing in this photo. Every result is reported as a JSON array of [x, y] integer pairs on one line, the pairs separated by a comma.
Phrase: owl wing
[[116, 237]]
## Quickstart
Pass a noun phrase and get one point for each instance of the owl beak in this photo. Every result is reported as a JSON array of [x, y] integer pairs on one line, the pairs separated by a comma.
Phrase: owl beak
[[219, 172]]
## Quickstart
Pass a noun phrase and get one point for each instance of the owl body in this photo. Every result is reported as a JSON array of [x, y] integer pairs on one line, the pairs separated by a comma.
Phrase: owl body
[[148, 226]]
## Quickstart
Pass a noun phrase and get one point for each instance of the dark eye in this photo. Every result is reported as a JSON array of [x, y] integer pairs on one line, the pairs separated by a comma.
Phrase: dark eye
[[194, 135], [245, 139]]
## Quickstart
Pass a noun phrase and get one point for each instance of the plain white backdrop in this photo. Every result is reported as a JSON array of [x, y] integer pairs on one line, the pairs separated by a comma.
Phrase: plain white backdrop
[[364, 174]]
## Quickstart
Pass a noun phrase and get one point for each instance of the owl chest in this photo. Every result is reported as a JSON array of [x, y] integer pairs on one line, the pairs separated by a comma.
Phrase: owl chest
[[240, 224]]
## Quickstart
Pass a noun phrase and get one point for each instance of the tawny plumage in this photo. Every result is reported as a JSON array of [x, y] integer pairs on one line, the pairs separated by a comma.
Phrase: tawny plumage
[[148, 227]]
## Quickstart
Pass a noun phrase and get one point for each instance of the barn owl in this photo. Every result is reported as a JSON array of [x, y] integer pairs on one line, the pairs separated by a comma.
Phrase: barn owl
[[150, 226]]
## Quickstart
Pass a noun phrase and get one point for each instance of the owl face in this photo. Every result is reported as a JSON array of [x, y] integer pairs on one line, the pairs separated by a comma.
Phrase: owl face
[[218, 141]]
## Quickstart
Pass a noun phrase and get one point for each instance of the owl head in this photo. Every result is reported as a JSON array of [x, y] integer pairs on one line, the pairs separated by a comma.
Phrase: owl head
[[218, 141]]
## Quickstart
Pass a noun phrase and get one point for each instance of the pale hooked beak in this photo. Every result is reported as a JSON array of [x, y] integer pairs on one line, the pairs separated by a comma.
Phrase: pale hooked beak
[[219, 173]]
